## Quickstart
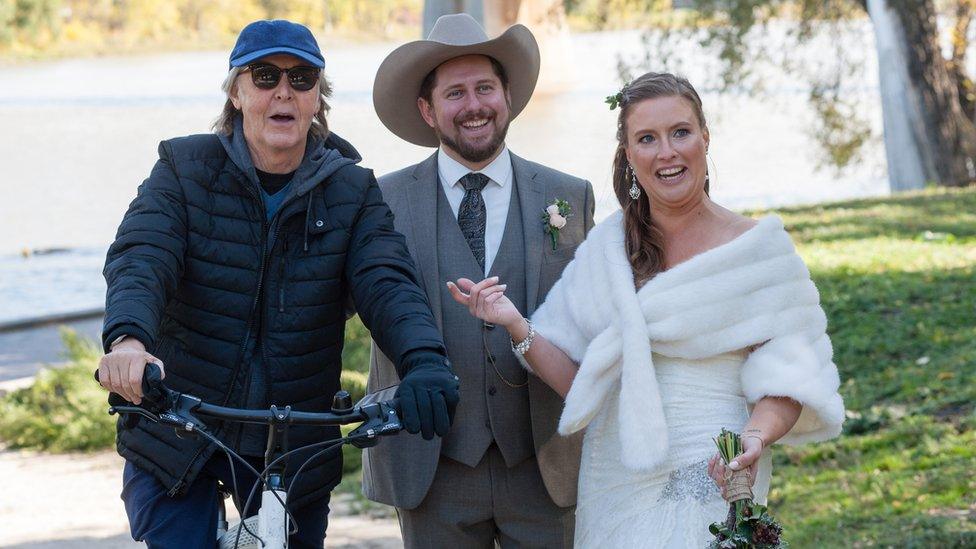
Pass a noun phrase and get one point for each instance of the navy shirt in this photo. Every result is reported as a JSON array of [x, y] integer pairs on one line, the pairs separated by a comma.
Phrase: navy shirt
[[274, 187]]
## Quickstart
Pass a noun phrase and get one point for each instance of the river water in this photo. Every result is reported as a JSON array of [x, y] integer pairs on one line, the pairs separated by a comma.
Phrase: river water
[[78, 136]]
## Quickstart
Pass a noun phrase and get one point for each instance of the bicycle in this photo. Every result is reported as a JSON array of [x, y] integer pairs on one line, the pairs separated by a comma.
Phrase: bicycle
[[377, 414]]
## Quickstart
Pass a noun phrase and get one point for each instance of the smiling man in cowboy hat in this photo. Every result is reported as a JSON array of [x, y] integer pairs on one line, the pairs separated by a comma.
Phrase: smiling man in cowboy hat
[[473, 210]]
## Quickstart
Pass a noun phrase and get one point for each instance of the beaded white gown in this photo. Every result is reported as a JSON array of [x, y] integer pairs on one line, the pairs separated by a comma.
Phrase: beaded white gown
[[673, 505]]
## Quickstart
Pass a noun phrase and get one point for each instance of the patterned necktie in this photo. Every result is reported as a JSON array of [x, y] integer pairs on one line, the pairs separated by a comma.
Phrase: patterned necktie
[[472, 216]]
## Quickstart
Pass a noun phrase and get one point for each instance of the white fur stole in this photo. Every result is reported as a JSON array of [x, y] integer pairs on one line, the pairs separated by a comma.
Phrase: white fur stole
[[752, 290]]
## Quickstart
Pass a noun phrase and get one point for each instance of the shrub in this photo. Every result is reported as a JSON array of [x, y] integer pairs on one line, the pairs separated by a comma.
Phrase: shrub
[[64, 409], [352, 457], [354, 383], [355, 351]]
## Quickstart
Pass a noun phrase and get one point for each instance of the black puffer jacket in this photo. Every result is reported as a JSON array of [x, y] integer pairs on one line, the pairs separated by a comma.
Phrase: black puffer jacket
[[195, 267]]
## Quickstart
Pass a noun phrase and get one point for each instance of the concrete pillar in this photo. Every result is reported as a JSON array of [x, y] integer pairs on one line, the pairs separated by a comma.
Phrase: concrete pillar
[[436, 8], [547, 21]]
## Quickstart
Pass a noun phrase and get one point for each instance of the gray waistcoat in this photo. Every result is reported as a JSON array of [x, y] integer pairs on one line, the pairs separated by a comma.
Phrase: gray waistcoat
[[490, 408]]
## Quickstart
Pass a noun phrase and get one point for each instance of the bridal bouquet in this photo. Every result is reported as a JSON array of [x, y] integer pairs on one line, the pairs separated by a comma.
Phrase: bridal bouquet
[[748, 524]]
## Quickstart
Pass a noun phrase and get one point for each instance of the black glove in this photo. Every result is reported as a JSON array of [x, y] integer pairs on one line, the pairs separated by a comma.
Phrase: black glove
[[428, 395]]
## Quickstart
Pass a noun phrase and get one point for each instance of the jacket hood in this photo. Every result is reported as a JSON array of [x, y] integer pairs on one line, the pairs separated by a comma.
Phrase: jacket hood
[[322, 158]]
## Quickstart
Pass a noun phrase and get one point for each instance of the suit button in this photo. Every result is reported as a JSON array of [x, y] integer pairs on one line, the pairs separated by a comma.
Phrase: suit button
[[489, 326], [492, 390], [487, 424]]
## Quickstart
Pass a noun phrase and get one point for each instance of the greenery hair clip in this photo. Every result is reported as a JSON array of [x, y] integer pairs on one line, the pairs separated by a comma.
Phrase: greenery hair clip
[[615, 100]]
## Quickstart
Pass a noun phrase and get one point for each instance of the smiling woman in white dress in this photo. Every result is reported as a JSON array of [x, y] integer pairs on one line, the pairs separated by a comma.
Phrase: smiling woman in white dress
[[676, 318]]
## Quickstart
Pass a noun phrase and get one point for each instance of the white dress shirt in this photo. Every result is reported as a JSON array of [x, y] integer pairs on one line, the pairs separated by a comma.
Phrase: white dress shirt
[[497, 194]]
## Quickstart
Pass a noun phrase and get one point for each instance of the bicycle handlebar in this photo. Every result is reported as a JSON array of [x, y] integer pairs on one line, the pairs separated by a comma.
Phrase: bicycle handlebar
[[164, 405], [180, 410]]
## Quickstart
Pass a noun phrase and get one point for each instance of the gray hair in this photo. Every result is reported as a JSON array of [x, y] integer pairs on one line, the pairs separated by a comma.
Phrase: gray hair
[[224, 124]]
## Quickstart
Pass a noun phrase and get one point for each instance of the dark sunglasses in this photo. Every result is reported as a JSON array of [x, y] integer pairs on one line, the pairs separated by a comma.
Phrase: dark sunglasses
[[266, 77]]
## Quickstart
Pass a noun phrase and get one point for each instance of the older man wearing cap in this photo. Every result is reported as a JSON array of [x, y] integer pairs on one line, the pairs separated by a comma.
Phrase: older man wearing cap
[[232, 266], [470, 210]]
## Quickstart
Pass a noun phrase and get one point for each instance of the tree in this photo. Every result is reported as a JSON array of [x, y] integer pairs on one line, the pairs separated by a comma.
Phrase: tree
[[943, 90], [939, 92]]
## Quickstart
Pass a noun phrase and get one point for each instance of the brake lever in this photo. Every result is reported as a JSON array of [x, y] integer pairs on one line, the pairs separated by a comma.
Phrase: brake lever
[[180, 413], [381, 419], [138, 410]]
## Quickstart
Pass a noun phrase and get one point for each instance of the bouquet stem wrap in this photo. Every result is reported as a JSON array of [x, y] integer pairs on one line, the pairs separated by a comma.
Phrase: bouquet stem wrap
[[748, 525], [738, 486]]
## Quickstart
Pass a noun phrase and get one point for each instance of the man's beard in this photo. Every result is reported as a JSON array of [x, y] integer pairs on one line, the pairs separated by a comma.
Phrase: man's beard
[[473, 153]]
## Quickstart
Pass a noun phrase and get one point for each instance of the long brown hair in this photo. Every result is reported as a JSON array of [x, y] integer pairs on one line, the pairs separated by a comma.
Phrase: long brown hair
[[644, 241]]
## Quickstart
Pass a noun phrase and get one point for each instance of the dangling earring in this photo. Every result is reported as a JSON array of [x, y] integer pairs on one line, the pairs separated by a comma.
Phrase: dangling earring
[[635, 191], [707, 179]]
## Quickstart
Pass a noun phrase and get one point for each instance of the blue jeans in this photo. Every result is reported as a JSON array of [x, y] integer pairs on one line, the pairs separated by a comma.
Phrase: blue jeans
[[190, 521]]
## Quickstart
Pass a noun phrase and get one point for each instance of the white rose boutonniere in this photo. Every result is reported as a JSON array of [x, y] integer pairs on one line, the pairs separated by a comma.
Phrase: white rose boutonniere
[[554, 218]]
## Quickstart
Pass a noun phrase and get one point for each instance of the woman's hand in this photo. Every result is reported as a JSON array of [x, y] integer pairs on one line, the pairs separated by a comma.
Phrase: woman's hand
[[752, 447], [120, 371], [486, 300]]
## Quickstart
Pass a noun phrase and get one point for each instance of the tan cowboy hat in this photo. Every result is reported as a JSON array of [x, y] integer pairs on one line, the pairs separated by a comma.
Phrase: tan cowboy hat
[[399, 77]]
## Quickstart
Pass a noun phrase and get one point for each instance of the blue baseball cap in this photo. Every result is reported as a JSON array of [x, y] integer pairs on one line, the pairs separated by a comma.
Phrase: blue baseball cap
[[263, 38]]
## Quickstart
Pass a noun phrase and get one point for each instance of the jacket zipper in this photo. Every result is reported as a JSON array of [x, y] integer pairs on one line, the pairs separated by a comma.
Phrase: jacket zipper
[[281, 277], [266, 252], [276, 222], [265, 255]]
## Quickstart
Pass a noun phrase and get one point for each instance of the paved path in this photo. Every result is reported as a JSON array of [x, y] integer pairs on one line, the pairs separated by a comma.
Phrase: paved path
[[70, 501]]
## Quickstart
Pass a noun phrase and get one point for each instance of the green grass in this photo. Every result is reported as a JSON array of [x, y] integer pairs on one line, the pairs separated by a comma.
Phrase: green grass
[[896, 277]]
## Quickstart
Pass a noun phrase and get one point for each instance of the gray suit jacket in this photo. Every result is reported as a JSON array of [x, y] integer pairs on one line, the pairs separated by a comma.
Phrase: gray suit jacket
[[400, 469]]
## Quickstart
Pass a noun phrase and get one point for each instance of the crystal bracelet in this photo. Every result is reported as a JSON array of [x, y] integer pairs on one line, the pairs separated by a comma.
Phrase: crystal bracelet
[[522, 347]]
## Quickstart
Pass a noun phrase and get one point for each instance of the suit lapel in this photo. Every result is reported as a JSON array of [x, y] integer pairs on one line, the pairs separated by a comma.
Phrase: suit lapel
[[532, 200], [422, 203]]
